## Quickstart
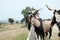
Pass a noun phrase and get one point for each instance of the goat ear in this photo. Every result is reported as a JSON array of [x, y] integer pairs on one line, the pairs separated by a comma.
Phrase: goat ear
[[59, 11], [36, 12], [39, 9], [55, 10]]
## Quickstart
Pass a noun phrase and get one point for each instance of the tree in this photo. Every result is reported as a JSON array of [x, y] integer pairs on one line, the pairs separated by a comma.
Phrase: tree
[[25, 12], [17, 22], [11, 20], [0, 23]]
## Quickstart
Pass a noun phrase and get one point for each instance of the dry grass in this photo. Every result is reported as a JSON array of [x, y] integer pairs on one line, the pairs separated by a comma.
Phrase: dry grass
[[54, 34], [11, 31], [15, 32]]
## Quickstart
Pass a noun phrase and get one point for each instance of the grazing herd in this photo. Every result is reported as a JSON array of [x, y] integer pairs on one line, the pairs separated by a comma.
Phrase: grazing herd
[[43, 27]]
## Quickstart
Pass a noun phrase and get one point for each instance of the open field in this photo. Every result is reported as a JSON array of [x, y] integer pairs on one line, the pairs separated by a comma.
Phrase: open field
[[13, 32], [16, 32]]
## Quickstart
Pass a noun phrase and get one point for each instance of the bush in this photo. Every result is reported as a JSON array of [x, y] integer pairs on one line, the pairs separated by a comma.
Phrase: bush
[[17, 22], [11, 20], [0, 24]]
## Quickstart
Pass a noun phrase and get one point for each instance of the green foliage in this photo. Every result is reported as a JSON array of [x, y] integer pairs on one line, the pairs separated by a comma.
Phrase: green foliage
[[17, 22], [0, 23], [25, 12], [11, 20], [22, 20]]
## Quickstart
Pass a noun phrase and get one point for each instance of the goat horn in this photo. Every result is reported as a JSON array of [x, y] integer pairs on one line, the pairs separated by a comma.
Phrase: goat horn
[[49, 8]]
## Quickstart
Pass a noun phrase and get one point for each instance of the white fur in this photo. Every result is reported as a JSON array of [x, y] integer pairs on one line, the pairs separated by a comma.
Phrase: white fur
[[29, 35], [37, 17], [39, 38], [57, 17], [51, 38], [32, 12], [32, 34]]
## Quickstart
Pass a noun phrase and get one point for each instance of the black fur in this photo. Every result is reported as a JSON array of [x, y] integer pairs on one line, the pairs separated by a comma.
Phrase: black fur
[[54, 21], [46, 34], [59, 34], [28, 23], [58, 24], [50, 32], [40, 30], [29, 26], [58, 11]]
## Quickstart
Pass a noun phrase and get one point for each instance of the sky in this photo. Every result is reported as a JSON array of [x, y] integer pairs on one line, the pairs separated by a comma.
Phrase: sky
[[13, 8]]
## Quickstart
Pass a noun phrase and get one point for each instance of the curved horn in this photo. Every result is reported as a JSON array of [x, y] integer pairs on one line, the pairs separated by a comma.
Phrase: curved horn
[[49, 8]]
